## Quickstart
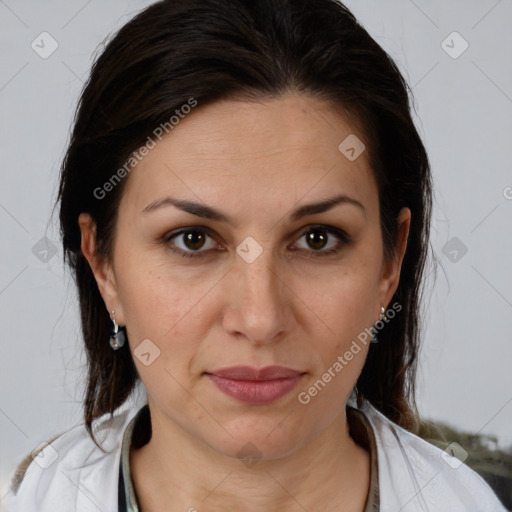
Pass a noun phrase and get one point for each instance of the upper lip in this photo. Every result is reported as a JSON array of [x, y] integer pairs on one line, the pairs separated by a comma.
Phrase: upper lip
[[250, 373]]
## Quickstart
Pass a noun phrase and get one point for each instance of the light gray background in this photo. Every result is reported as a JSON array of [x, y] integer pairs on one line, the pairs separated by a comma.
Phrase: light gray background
[[464, 114]]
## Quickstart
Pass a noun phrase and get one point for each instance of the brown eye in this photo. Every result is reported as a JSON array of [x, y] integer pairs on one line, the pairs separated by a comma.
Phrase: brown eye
[[323, 240], [317, 238], [190, 242], [194, 240]]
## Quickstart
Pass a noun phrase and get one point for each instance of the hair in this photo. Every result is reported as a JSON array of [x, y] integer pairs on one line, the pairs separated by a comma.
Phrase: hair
[[209, 50]]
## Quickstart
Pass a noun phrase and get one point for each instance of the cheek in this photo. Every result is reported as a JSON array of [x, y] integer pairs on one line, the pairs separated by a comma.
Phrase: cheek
[[344, 299], [157, 295], [152, 313], [343, 305], [339, 345]]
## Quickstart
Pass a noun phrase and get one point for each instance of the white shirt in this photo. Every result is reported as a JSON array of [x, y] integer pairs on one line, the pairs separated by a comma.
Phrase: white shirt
[[71, 474]]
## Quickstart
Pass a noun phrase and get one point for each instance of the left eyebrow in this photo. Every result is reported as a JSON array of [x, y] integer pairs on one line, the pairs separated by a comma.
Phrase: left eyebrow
[[323, 206], [202, 210]]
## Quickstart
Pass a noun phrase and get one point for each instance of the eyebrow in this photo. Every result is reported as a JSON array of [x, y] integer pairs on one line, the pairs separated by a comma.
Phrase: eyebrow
[[202, 210]]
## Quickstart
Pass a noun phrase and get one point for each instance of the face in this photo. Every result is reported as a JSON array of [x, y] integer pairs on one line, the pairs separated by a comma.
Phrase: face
[[263, 282]]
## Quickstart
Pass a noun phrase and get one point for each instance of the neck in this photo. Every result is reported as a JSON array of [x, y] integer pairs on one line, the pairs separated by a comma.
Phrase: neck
[[175, 471]]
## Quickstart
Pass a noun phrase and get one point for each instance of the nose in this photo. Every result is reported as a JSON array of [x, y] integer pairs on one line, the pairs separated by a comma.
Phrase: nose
[[258, 307]]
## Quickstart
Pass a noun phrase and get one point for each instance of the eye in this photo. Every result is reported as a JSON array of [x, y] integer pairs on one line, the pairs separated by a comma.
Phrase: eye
[[188, 242], [324, 240], [194, 242]]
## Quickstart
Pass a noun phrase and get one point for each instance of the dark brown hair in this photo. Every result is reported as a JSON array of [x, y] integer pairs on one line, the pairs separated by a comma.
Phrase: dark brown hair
[[209, 50]]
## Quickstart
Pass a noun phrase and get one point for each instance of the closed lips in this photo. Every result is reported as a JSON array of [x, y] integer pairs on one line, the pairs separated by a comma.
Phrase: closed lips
[[255, 374], [256, 386]]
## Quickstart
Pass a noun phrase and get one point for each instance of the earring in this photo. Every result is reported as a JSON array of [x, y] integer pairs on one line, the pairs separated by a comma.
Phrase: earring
[[117, 338], [373, 337]]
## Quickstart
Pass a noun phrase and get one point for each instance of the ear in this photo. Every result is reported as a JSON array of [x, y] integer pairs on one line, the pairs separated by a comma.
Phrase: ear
[[101, 267], [390, 275]]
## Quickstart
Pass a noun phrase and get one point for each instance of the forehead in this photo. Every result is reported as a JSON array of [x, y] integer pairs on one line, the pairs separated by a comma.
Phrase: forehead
[[249, 152]]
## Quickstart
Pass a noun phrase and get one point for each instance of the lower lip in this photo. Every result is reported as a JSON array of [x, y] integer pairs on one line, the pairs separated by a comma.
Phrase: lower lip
[[256, 392]]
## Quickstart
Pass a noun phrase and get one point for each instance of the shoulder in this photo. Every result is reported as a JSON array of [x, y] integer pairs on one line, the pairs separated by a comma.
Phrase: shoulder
[[71, 470], [415, 475]]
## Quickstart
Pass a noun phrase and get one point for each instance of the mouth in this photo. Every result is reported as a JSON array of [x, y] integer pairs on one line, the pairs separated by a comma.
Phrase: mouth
[[256, 386]]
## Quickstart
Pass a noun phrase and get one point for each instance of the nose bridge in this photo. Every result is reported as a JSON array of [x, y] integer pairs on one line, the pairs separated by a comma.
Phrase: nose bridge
[[256, 268], [257, 295]]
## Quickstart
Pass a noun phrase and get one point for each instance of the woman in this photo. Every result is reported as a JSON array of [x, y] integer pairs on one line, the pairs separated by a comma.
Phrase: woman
[[245, 203]]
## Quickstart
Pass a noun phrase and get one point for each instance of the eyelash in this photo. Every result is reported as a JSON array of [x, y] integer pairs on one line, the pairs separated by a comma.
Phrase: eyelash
[[345, 240]]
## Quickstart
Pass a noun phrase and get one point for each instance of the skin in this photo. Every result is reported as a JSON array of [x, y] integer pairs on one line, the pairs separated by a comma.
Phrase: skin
[[255, 161]]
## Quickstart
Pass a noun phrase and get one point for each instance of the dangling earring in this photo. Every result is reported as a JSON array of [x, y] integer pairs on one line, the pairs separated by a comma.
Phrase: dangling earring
[[373, 338], [117, 338]]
